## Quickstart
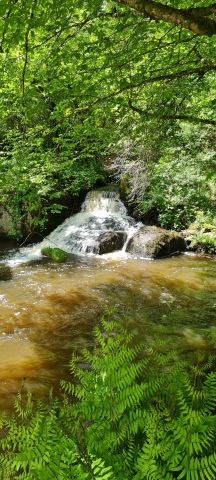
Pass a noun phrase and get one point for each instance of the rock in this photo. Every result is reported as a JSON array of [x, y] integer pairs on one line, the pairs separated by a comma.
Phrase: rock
[[55, 254], [5, 273], [110, 241], [156, 242], [6, 223]]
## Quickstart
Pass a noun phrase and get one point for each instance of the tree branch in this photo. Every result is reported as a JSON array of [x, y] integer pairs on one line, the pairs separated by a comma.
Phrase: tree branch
[[27, 47], [184, 118], [198, 20], [82, 23], [169, 77], [6, 19], [205, 11], [200, 71]]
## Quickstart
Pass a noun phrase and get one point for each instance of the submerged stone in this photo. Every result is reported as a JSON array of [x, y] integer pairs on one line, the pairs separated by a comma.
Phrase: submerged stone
[[153, 242], [5, 273], [55, 254]]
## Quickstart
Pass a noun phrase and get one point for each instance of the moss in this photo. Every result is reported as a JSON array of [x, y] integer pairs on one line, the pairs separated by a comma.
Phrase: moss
[[55, 254], [5, 273]]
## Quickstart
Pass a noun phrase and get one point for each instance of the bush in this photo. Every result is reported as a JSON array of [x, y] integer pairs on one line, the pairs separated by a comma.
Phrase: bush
[[202, 233]]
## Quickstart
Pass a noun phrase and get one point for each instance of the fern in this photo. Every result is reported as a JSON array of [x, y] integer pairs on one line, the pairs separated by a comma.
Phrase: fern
[[36, 447], [130, 413], [183, 448]]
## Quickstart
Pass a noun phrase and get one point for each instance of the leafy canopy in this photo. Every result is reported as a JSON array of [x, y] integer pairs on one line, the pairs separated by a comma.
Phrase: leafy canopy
[[78, 76]]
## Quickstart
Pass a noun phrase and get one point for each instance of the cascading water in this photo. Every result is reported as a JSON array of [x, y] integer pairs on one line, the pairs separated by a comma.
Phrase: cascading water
[[102, 211]]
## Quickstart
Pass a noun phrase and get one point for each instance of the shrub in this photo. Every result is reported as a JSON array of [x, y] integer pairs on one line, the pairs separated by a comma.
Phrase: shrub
[[202, 233]]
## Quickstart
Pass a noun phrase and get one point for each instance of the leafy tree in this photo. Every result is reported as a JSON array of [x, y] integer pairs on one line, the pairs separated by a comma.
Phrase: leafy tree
[[77, 77], [169, 182]]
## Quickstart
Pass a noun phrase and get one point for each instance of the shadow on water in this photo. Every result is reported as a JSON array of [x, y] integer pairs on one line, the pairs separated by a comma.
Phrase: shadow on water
[[49, 310]]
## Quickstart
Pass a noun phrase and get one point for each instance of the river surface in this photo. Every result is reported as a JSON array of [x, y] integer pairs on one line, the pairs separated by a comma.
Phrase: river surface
[[48, 310]]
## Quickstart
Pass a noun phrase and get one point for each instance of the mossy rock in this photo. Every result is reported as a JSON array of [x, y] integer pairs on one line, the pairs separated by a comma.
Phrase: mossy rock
[[55, 254], [5, 273]]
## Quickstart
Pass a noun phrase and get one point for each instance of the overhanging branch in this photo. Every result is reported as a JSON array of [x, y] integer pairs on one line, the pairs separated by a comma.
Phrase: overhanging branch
[[184, 118], [199, 72], [199, 20]]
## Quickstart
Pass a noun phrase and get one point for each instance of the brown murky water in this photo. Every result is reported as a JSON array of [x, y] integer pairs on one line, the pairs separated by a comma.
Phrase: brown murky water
[[47, 311]]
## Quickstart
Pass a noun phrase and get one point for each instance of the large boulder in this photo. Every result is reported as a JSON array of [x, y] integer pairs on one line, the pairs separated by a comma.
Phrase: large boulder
[[5, 273], [110, 241], [153, 242]]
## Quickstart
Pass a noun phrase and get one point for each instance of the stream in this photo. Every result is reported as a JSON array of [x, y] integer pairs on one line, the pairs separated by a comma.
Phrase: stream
[[48, 310]]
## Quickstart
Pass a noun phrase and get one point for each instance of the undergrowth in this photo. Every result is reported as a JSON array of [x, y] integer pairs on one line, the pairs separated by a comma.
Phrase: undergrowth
[[202, 233], [130, 413]]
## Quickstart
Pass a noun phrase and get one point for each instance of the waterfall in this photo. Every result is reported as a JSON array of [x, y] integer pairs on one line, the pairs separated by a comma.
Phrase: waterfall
[[102, 211]]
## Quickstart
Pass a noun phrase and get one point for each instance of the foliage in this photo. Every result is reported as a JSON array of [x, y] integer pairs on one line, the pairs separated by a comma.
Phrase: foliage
[[36, 446], [130, 413], [202, 233], [172, 183], [78, 77], [47, 171]]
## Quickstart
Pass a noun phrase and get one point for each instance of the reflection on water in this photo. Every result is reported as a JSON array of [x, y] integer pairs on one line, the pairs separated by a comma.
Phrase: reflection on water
[[48, 310]]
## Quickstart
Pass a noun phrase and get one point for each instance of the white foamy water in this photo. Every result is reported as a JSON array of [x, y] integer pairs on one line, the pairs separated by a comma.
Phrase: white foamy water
[[79, 234]]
